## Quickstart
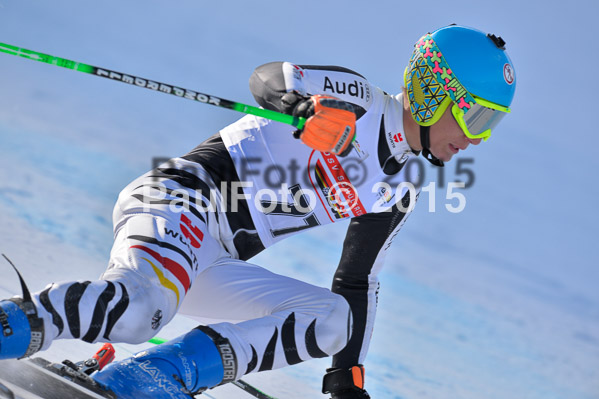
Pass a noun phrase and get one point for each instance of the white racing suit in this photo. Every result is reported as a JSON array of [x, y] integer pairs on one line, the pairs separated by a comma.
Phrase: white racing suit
[[185, 231]]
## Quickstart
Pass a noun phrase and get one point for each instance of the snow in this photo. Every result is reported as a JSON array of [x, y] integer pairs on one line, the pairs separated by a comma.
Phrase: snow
[[498, 301]]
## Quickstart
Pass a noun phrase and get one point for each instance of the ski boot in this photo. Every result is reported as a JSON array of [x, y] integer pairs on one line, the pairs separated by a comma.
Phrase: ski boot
[[22, 330], [178, 369], [345, 383]]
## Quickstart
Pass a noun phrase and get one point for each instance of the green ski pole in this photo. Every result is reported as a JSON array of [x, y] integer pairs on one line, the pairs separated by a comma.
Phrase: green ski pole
[[298, 122]]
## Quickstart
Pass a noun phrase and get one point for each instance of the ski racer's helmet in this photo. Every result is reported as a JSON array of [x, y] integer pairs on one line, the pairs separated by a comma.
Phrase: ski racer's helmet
[[464, 68]]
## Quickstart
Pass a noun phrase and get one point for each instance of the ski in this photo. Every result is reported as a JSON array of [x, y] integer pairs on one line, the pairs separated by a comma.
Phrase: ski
[[6, 393], [40, 379]]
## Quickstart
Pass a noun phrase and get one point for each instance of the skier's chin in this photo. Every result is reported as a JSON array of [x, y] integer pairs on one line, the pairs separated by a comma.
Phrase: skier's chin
[[443, 156]]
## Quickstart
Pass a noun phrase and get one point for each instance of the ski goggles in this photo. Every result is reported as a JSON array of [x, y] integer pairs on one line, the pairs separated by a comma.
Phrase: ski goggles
[[480, 119]]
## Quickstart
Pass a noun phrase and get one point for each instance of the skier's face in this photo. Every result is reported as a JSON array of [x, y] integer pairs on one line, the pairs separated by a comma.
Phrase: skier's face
[[447, 138]]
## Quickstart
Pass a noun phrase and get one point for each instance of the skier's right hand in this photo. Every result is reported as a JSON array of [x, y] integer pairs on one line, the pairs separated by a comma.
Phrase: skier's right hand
[[330, 125], [345, 383]]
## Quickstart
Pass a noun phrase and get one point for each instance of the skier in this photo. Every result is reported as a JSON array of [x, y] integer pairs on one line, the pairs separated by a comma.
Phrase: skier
[[184, 231]]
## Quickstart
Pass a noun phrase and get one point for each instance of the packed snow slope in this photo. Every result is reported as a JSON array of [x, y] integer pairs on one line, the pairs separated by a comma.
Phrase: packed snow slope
[[497, 301]]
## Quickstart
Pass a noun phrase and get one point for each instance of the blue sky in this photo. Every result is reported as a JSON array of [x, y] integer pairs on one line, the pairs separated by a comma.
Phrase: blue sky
[[525, 244]]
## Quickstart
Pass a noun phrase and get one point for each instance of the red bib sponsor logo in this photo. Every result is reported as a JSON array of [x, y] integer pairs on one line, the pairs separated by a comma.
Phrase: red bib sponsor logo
[[193, 234]]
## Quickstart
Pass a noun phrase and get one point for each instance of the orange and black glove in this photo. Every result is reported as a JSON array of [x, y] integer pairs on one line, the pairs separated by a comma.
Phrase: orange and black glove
[[330, 125], [345, 383]]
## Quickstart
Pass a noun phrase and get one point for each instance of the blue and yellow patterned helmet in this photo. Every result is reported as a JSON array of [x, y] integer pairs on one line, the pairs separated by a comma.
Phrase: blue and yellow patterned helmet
[[465, 68]]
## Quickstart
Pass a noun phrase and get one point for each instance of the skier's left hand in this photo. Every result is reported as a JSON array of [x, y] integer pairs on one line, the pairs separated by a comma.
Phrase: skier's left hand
[[330, 125]]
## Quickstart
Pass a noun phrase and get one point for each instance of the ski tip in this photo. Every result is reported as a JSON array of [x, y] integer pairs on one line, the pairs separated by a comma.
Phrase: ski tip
[[8, 260], [24, 289]]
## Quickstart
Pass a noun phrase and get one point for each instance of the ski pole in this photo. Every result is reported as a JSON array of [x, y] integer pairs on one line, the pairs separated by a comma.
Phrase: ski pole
[[239, 383], [298, 122], [251, 390]]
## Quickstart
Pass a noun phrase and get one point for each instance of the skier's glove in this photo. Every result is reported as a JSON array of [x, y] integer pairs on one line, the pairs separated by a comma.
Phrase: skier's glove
[[330, 125], [345, 383]]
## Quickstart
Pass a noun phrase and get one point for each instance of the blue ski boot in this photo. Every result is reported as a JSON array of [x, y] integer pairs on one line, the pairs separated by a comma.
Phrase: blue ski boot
[[178, 369], [22, 330]]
